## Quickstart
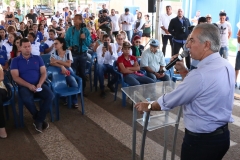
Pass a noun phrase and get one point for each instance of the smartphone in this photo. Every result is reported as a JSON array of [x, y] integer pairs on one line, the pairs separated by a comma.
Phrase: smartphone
[[124, 21], [105, 44]]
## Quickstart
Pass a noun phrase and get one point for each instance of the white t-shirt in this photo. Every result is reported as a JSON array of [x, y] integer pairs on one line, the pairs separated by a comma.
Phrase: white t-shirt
[[165, 20], [224, 29], [49, 43], [115, 22], [35, 48]]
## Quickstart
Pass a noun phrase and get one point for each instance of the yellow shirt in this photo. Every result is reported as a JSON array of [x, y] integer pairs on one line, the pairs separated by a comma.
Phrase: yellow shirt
[[96, 24], [1, 83]]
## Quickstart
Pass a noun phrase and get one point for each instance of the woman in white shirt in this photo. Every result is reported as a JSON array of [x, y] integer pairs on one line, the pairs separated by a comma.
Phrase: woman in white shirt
[[3, 36], [8, 45], [62, 58], [138, 26]]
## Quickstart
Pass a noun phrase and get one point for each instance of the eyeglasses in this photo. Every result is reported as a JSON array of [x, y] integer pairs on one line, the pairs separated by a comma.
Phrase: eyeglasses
[[137, 41]]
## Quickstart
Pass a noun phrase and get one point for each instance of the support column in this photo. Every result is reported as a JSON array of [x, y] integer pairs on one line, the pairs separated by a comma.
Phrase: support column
[[158, 14]]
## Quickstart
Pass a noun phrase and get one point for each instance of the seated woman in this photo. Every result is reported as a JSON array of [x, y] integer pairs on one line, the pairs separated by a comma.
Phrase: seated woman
[[98, 42], [62, 58], [3, 94], [129, 67], [136, 47], [8, 45]]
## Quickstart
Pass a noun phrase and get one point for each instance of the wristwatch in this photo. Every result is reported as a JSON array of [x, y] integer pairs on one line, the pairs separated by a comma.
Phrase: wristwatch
[[150, 105]]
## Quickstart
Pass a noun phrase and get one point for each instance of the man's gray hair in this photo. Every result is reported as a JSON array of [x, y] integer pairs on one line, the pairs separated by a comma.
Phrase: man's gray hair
[[209, 32]]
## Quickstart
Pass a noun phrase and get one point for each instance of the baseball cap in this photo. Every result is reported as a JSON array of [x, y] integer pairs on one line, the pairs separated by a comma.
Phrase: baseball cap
[[154, 43], [126, 45], [208, 15]]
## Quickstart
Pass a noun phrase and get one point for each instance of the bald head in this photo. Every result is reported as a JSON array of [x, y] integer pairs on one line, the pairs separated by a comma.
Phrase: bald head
[[180, 13]]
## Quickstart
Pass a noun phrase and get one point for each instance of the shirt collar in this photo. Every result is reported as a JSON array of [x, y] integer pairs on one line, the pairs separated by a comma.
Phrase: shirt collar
[[10, 44], [33, 42], [208, 58], [21, 56], [50, 39]]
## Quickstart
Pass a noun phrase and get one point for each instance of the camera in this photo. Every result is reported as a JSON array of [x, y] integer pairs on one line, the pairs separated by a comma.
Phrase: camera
[[75, 49], [183, 29], [82, 25]]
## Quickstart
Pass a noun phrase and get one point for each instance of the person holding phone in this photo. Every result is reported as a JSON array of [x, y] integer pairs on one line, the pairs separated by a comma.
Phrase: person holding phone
[[106, 55], [127, 20]]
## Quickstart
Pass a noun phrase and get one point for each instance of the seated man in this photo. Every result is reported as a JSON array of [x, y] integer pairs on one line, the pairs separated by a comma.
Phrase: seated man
[[153, 61], [29, 72], [106, 55], [48, 47]]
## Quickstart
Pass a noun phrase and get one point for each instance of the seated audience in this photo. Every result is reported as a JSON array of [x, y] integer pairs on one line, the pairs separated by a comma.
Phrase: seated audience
[[62, 58], [31, 83], [8, 45], [119, 44], [48, 46], [106, 55], [129, 67], [153, 62]]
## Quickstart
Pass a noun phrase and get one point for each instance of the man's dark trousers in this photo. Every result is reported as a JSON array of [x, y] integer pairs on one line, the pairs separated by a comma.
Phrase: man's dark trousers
[[165, 39], [79, 64]]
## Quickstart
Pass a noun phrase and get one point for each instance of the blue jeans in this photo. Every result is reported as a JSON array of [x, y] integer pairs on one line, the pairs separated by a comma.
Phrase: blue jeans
[[106, 68], [71, 81], [133, 79], [224, 52], [128, 35], [152, 76], [46, 96]]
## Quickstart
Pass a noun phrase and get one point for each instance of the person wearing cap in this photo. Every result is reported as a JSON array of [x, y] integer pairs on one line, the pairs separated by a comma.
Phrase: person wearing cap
[[209, 18], [20, 16], [206, 95], [179, 29], [126, 20], [105, 23], [106, 55], [225, 34], [237, 64], [129, 67], [136, 47], [153, 62]]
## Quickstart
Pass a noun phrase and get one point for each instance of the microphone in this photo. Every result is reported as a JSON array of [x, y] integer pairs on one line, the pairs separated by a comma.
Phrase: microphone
[[184, 54]]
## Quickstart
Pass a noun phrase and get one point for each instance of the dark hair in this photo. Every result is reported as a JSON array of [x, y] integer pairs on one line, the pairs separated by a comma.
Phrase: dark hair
[[104, 11], [17, 19], [62, 41], [126, 10], [23, 40], [14, 35], [34, 24], [222, 14], [79, 16], [33, 35], [5, 33], [202, 19], [14, 49], [105, 36], [147, 16], [39, 25], [52, 30]]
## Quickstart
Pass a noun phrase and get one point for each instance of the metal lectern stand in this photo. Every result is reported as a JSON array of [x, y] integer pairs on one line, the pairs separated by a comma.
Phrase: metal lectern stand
[[150, 92]]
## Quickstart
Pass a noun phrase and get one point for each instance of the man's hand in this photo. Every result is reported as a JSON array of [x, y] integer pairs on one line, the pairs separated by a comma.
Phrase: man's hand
[[179, 65], [82, 36], [32, 88], [142, 106], [39, 85], [110, 49], [119, 48], [158, 75]]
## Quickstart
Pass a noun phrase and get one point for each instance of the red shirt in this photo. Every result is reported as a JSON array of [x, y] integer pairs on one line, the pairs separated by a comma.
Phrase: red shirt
[[127, 63], [41, 18]]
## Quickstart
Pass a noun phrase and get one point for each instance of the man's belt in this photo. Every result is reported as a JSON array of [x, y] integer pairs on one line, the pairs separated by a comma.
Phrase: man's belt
[[218, 131]]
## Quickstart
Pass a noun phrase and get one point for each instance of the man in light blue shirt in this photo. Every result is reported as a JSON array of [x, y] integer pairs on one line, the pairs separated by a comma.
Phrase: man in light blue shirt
[[207, 95], [153, 61]]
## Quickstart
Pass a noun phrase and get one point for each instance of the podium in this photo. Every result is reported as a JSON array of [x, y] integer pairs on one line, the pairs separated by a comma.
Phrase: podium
[[151, 92]]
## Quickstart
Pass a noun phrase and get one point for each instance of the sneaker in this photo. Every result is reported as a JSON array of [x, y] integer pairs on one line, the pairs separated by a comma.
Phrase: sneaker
[[45, 125], [112, 89], [38, 126], [75, 106], [103, 94]]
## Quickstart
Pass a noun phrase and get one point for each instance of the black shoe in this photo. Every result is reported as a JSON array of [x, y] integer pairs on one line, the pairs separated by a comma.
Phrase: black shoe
[[112, 89], [103, 94], [75, 106], [45, 125], [38, 126]]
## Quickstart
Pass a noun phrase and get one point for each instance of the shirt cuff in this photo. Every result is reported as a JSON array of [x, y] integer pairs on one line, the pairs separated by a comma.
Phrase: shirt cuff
[[162, 104]]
